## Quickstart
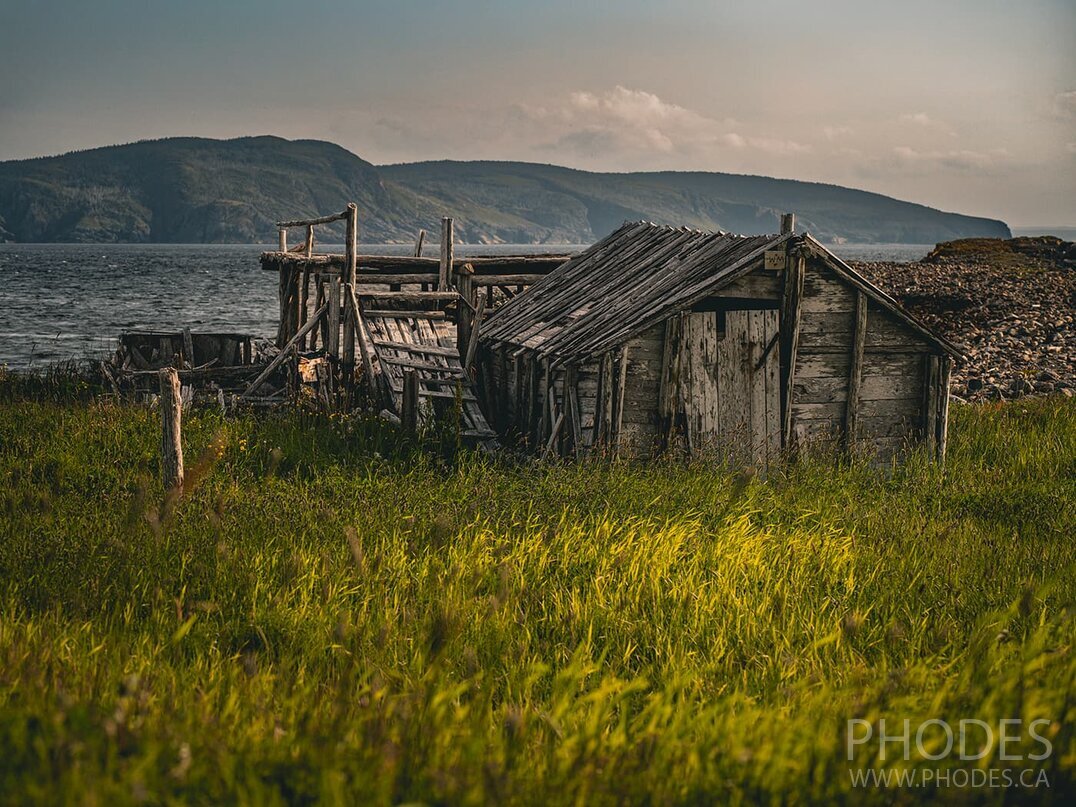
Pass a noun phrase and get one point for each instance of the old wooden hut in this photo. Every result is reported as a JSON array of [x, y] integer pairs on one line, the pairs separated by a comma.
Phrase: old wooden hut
[[658, 336]]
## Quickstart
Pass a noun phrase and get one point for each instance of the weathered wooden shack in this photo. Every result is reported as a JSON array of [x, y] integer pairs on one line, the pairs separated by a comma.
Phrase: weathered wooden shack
[[746, 346]]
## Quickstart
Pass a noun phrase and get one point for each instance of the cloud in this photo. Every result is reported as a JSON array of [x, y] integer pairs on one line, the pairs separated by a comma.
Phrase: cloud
[[918, 118], [1065, 104], [837, 132], [955, 159], [924, 121], [635, 124]]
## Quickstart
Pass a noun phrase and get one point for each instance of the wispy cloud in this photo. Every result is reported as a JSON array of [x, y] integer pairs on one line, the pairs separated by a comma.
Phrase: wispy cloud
[[956, 159], [924, 121], [624, 122]]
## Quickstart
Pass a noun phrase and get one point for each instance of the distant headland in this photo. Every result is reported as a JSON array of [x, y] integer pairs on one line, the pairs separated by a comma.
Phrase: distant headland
[[197, 190]]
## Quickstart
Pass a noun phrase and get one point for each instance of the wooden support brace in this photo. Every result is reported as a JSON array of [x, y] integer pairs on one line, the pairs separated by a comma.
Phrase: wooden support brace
[[444, 280]]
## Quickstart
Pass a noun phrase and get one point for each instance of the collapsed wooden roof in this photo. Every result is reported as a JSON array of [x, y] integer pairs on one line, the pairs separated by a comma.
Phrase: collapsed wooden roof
[[640, 274], [628, 281]]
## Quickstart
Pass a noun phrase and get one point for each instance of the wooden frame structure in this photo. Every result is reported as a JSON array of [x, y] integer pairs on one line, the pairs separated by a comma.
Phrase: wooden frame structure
[[401, 324]]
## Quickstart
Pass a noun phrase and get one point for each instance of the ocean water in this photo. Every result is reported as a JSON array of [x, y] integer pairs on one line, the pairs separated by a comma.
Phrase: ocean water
[[71, 301]]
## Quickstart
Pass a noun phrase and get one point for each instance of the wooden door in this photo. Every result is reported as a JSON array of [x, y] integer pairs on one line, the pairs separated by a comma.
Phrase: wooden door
[[749, 387], [723, 372]]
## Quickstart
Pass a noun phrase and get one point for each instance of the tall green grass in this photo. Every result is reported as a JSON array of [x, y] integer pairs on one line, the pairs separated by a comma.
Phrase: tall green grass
[[333, 615]]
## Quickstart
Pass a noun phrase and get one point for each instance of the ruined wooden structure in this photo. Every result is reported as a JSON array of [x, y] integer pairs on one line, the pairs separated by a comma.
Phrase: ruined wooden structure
[[363, 329], [660, 336]]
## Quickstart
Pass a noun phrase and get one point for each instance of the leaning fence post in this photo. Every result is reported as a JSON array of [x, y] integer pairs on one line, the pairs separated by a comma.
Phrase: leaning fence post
[[409, 413], [171, 429]]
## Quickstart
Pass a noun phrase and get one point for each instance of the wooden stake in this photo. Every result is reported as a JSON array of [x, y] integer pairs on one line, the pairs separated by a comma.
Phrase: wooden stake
[[788, 223], [282, 238], [309, 241], [171, 430], [444, 279], [409, 413], [419, 242]]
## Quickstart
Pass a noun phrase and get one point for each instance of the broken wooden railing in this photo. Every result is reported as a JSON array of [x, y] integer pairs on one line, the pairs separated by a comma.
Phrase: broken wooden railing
[[325, 298]]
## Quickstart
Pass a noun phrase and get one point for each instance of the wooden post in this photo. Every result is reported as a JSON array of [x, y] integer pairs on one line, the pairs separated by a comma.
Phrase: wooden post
[[419, 242], [351, 243], [309, 240], [409, 413], [171, 429], [332, 344], [282, 238], [347, 353], [855, 371], [788, 223], [465, 287], [444, 280]]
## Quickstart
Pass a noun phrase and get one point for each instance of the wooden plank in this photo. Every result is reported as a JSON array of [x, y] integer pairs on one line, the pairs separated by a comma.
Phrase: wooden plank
[[931, 382], [411, 347], [772, 373], [757, 386], [351, 236], [855, 370], [621, 384], [790, 338], [332, 344]]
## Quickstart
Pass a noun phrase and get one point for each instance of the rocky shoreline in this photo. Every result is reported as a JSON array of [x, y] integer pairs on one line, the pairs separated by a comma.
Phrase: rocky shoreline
[[1012, 309]]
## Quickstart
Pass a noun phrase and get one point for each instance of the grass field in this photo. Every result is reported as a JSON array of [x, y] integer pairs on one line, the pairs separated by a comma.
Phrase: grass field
[[333, 616]]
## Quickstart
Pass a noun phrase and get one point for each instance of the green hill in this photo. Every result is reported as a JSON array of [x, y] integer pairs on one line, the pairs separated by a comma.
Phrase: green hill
[[192, 190]]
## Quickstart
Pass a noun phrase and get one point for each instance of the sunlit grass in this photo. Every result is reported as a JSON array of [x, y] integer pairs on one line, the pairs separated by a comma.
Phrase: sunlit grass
[[332, 614]]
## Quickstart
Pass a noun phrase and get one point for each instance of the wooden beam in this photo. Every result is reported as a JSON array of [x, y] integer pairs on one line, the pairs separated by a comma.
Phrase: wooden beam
[[188, 347], [931, 382], [171, 430], [855, 371], [309, 240], [419, 242], [307, 222], [282, 239], [788, 223], [444, 280]]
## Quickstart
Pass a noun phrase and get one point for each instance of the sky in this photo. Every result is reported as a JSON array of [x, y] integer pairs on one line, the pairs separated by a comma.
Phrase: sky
[[964, 105]]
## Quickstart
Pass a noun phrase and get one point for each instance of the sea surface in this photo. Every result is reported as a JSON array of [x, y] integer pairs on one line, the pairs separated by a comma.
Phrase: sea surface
[[71, 301]]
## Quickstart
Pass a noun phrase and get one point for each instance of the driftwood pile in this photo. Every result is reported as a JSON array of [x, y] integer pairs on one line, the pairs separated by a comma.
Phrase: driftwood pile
[[1013, 310]]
